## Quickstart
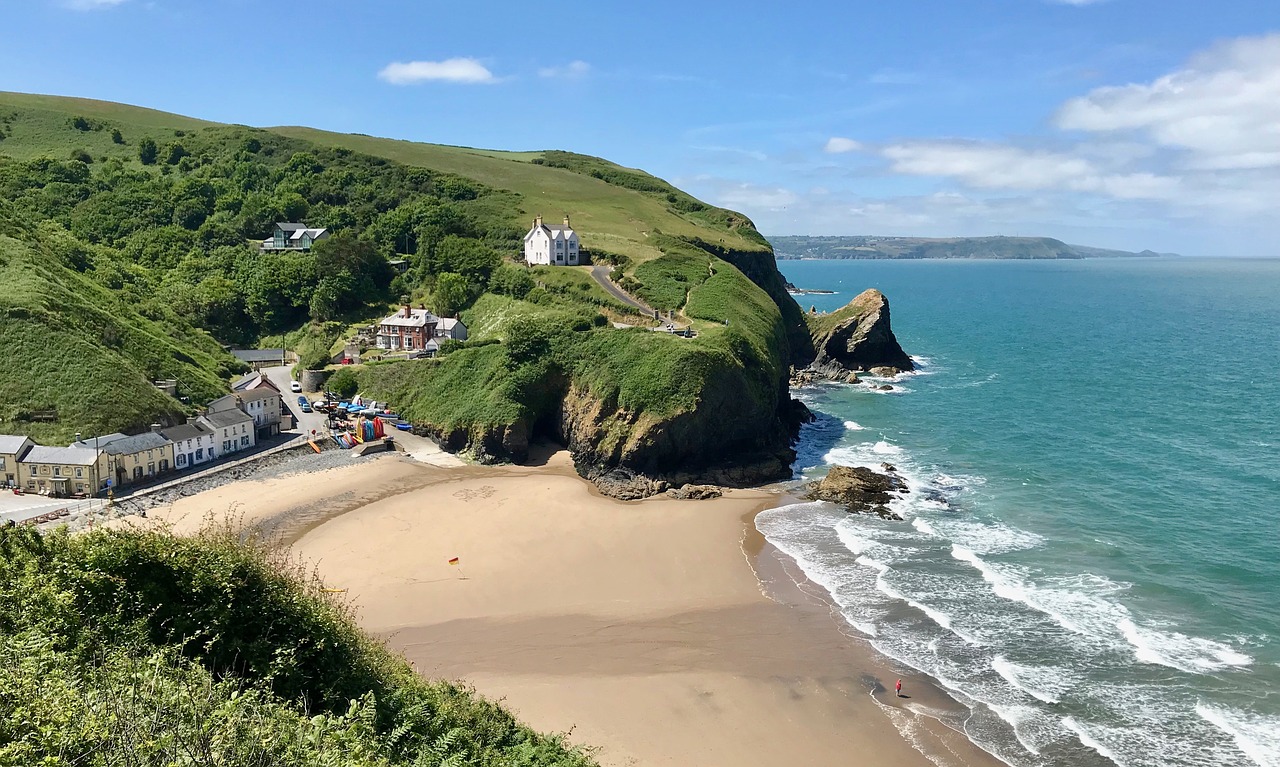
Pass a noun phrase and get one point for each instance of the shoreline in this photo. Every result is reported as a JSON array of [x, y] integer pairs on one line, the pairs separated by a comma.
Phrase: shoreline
[[633, 626]]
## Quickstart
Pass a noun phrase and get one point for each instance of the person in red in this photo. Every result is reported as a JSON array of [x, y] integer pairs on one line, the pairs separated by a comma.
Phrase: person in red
[[897, 688]]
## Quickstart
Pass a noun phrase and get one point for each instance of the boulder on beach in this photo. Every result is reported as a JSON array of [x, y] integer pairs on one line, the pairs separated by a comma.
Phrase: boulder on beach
[[859, 489], [695, 492]]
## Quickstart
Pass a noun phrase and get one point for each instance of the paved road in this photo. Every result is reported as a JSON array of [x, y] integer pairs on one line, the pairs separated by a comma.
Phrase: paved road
[[601, 275], [281, 377]]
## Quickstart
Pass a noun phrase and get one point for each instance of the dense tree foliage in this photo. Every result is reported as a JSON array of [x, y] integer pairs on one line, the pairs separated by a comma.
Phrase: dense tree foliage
[[182, 228]]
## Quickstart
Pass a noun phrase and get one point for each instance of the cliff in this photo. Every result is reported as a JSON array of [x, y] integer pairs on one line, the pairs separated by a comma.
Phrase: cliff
[[857, 337]]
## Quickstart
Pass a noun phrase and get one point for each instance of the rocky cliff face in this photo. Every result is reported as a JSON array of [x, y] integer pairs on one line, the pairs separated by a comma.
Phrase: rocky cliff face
[[857, 337]]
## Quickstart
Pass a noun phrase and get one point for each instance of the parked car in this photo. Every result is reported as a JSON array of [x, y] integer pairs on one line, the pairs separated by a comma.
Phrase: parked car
[[306, 408], [294, 386]]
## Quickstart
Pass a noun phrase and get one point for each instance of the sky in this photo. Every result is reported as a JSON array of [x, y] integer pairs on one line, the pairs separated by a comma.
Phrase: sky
[[1130, 124]]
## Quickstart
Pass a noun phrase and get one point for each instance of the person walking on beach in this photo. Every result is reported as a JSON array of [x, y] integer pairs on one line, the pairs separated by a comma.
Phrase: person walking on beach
[[897, 688]]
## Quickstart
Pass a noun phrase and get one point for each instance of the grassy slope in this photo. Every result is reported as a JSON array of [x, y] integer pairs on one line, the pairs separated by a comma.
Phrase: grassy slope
[[76, 348], [607, 217], [39, 126]]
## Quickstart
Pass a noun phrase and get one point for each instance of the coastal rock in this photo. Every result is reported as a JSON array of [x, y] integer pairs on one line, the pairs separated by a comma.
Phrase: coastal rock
[[885, 371], [884, 387], [859, 489], [628, 486], [695, 492], [855, 338], [853, 379]]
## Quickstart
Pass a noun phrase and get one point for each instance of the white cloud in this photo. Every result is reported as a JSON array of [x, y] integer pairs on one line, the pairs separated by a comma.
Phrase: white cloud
[[92, 5], [838, 145], [1221, 109], [459, 70], [574, 70]]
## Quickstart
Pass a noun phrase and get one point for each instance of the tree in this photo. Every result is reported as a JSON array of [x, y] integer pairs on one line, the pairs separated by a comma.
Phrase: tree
[[81, 123], [525, 339], [175, 152], [452, 293], [344, 383], [116, 136], [470, 258], [80, 155], [511, 280], [148, 151]]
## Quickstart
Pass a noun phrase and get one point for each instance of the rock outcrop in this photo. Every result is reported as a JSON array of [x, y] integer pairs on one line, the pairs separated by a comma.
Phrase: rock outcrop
[[695, 492], [859, 489], [858, 337]]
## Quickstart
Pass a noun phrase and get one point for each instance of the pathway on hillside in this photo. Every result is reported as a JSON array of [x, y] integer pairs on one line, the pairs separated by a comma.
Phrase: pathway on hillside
[[601, 276]]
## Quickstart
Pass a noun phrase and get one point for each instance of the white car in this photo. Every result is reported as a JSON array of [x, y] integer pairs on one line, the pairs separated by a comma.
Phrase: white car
[[295, 386]]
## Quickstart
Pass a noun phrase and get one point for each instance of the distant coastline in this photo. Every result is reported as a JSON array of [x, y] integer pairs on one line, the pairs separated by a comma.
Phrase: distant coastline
[[795, 247]]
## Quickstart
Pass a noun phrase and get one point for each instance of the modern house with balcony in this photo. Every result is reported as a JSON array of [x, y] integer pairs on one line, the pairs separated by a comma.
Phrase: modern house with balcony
[[288, 236]]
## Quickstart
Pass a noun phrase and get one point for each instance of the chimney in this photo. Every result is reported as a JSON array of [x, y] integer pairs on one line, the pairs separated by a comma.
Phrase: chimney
[[566, 221], [537, 222], [155, 428], [191, 421], [77, 436], [408, 311]]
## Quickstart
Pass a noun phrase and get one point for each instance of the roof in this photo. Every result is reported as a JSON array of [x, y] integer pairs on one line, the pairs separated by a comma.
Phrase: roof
[[554, 232], [253, 381], [186, 431], [290, 227], [68, 456], [223, 418], [297, 234], [448, 323], [10, 443], [136, 444], [252, 395], [99, 442], [419, 318], [258, 355]]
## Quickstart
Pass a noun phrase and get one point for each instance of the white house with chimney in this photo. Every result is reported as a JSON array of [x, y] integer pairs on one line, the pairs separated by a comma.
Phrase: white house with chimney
[[551, 245]]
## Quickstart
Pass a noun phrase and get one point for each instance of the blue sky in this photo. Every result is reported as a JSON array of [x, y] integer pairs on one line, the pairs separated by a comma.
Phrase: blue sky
[[1120, 123]]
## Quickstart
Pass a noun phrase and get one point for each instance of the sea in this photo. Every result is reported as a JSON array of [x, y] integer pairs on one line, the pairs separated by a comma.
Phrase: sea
[[1089, 557]]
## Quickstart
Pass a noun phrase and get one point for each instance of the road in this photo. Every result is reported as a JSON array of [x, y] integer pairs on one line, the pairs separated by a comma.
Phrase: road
[[281, 377], [601, 276]]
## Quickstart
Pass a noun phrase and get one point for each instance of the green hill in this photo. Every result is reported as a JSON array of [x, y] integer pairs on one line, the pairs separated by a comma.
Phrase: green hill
[[852, 247], [170, 208]]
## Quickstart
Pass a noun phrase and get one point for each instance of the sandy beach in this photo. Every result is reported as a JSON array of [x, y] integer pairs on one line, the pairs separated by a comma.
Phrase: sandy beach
[[662, 632]]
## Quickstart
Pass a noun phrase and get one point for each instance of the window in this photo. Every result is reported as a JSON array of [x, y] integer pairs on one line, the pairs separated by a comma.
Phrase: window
[[199, 454], [182, 459], [57, 471], [1, 463], [226, 446], [244, 441], [151, 468], [79, 472]]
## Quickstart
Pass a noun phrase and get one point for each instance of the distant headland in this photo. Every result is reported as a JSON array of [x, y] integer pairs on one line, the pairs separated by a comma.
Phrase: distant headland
[[867, 246]]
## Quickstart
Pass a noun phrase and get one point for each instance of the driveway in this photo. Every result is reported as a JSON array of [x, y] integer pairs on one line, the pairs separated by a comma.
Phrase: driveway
[[281, 377], [601, 276]]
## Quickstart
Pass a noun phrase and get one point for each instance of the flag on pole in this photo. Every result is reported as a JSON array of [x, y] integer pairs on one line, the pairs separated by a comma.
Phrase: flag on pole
[[453, 561]]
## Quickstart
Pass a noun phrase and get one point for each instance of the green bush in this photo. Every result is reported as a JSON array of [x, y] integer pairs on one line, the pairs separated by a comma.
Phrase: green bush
[[213, 650], [344, 383]]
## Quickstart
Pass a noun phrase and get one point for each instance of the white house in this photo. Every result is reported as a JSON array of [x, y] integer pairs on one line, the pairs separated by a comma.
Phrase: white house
[[233, 430], [287, 236], [192, 444], [449, 327], [552, 245], [262, 404]]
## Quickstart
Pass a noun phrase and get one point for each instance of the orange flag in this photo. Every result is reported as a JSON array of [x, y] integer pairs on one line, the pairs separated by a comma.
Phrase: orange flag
[[453, 561]]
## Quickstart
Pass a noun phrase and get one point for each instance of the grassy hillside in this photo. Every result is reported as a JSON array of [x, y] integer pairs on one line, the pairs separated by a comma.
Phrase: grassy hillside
[[80, 353], [174, 205], [213, 651]]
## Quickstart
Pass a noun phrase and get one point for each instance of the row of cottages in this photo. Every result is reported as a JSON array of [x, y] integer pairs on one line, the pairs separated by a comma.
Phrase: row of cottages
[[418, 330], [551, 245], [288, 236], [230, 425]]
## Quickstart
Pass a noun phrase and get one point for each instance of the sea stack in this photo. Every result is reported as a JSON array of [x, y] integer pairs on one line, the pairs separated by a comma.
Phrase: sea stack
[[856, 337]]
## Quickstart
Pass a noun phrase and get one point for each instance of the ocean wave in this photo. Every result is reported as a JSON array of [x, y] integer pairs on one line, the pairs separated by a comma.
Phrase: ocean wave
[[983, 537], [1044, 683], [854, 426], [1089, 739], [1256, 735], [1194, 655]]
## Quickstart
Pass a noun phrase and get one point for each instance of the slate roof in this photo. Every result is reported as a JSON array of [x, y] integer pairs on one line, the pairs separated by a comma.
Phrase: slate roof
[[67, 456], [11, 444], [258, 355], [222, 418], [100, 441], [418, 318], [186, 431], [257, 394], [136, 444]]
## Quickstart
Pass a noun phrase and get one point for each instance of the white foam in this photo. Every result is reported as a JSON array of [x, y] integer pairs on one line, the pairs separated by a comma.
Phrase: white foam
[[867, 628], [1090, 741], [854, 426], [1256, 735], [1044, 683], [985, 537], [1194, 655]]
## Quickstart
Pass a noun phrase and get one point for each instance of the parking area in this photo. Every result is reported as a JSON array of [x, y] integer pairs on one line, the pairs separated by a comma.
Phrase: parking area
[[20, 507]]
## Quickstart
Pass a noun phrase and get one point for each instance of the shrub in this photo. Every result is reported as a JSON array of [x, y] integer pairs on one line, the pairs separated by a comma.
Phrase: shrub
[[344, 383]]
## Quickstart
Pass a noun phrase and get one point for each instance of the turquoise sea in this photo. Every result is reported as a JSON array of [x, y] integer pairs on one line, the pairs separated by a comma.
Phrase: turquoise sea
[[1090, 561]]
